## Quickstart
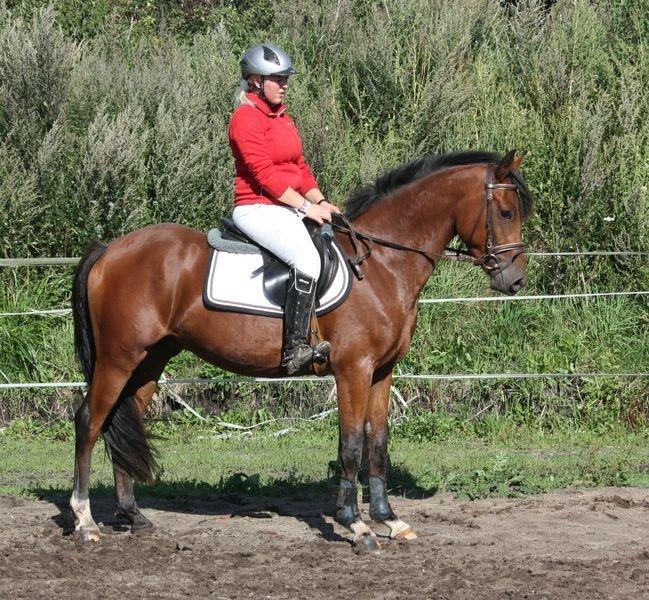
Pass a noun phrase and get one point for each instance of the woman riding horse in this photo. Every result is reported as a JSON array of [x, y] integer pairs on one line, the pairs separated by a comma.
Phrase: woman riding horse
[[138, 302], [275, 189]]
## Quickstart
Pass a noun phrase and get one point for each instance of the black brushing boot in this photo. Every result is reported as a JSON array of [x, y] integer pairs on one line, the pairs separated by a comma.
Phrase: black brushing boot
[[300, 296]]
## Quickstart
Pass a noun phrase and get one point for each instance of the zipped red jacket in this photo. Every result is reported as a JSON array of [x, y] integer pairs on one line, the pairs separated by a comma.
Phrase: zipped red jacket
[[267, 153]]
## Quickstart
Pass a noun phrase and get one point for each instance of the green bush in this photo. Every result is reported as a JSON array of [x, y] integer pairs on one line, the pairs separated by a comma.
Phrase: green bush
[[113, 115]]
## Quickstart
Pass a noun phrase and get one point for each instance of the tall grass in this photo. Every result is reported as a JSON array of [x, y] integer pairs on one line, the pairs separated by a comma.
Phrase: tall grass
[[114, 116]]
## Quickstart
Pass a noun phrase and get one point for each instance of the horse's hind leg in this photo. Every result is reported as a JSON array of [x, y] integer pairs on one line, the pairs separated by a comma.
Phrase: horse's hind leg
[[145, 379], [126, 506], [107, 384], [376, 431]]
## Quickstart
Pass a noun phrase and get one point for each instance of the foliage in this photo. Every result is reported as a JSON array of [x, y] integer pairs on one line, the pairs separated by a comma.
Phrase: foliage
[[113, 115]]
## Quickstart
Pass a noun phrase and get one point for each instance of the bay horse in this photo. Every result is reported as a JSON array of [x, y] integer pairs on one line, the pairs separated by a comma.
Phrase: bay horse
[[138, 302]]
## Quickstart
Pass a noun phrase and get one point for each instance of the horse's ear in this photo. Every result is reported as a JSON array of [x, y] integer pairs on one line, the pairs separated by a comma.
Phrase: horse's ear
[[510, 162]]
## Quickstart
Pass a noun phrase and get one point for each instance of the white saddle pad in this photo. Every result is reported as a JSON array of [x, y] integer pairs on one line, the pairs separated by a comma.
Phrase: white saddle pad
[[231, 284]]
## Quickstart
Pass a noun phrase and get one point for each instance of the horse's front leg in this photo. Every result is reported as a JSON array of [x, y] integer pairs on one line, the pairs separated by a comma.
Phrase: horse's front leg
[[352, 404], [376, 430]]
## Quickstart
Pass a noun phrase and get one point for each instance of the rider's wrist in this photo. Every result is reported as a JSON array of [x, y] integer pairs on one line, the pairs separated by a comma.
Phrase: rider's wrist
[[305, 206], [322, 200]]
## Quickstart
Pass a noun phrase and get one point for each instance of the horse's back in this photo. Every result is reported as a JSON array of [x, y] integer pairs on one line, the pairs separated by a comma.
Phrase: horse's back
[[165, 234]]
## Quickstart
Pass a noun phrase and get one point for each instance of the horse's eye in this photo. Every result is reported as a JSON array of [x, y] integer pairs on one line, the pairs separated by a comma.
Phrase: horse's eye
[[507, 214]]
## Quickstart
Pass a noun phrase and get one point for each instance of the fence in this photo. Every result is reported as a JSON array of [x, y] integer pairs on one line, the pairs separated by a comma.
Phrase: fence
[[20, 262]]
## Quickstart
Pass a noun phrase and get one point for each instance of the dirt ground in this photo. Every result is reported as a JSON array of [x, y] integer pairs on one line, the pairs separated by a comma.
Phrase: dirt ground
[[571, 544]]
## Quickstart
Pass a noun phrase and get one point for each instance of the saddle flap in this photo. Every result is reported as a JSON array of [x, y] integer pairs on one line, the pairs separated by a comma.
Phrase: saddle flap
[[275, 280], [323, 239]]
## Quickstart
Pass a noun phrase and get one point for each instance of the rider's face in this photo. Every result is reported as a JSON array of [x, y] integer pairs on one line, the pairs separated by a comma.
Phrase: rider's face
[[275, 88]]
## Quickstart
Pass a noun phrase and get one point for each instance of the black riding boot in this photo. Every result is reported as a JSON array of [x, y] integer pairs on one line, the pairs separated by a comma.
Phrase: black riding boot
[[300, 296]]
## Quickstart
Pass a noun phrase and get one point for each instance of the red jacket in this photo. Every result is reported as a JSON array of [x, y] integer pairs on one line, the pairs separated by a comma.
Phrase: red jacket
[[267, 153]]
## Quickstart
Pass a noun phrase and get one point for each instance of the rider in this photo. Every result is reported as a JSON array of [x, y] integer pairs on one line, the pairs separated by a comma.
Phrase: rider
[[275, 189]]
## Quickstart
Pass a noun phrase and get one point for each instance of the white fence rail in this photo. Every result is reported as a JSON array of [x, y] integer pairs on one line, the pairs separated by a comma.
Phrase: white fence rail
[[329, 379], [58, 312], [20, 262]]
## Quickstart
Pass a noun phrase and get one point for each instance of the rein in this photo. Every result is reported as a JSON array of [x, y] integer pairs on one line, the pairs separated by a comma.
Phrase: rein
[[489, 260]]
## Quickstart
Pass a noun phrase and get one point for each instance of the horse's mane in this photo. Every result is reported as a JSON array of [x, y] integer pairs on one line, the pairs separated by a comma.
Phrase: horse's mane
[[388, 183]]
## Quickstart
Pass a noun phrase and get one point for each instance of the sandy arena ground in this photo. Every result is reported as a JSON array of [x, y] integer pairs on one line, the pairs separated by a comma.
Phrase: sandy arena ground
[[572, 544]]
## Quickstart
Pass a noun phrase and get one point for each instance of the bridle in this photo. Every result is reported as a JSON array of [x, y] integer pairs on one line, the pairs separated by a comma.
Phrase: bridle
[[490, 260]]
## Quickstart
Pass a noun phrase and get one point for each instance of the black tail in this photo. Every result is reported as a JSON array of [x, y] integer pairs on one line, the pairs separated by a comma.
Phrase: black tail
[[83, 339], [127, 442]]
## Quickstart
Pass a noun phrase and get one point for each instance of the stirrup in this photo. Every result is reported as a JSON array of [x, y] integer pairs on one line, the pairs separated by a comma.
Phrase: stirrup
[[298, 360], [321, 352]]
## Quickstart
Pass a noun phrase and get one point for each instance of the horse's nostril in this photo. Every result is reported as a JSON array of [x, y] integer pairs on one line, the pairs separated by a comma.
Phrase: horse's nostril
[[518, 284]]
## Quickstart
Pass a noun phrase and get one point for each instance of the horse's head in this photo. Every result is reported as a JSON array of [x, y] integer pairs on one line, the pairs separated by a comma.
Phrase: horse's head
[[491, 221]]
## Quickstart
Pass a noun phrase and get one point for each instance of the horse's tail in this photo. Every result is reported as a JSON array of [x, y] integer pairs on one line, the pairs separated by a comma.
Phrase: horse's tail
[[127, 442], [84, 342]]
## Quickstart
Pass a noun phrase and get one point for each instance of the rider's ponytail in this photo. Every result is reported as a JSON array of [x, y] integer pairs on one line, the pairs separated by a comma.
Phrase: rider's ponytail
[[240, 96]]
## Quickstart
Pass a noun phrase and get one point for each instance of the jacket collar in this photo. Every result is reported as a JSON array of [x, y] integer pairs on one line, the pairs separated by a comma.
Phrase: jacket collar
[[263, 106]]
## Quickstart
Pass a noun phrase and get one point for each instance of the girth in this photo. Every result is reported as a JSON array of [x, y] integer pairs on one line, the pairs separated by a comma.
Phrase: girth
[[275, 272]]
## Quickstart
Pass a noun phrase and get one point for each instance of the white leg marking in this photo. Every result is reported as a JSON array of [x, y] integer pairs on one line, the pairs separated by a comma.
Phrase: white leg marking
[[360, 529], [400, 530], [364, 537], [83, 521]]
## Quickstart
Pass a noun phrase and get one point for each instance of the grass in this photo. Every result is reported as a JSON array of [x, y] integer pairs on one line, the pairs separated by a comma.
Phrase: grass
[[37, 461]]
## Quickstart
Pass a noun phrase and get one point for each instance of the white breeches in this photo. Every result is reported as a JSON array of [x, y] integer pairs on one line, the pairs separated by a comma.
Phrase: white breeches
[[280, 230]]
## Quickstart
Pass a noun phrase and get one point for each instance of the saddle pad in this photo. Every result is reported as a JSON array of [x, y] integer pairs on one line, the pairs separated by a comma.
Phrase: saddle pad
[[231, 284]]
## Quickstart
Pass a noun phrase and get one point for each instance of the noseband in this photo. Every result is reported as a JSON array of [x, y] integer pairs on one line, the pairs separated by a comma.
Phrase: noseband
[[489, 261]]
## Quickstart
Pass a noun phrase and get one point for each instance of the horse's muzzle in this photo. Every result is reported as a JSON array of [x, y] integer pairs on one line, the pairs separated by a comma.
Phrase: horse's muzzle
[[509, 280]]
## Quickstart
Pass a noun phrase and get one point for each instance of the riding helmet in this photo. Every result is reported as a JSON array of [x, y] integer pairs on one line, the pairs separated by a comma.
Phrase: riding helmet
[[266, 59]]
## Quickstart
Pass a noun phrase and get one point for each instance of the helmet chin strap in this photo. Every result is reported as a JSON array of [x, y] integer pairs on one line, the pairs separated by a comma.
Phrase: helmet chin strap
[[260, 89]]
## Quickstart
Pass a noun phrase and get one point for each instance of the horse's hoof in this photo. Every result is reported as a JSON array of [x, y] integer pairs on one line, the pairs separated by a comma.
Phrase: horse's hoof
[[366, 543], [400, 530], [89, 535], [406, 534], [142, 528]]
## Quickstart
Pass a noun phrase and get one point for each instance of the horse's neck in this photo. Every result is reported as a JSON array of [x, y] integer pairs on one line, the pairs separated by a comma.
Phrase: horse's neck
[[421, 216]]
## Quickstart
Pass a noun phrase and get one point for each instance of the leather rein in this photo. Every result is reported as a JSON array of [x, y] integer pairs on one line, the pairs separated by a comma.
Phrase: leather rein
[[490, 259]]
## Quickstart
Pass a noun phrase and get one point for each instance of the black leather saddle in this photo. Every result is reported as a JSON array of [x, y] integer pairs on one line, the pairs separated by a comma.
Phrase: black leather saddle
[[275, 272]]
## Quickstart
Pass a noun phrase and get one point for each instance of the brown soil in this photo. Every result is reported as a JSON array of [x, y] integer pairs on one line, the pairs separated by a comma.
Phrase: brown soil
[[571, 544]]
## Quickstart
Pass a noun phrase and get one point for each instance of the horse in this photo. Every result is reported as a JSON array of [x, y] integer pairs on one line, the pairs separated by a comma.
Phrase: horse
[[137, 302]]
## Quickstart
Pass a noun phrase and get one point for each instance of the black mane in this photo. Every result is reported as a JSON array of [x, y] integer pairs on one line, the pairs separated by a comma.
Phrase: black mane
[[388, 183]]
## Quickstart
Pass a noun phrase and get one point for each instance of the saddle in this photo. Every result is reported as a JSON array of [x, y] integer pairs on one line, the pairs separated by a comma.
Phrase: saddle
[[275, 272]]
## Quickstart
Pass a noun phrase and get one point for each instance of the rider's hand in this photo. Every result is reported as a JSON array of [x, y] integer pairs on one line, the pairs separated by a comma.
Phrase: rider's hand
[[320, 212], [332, 207]]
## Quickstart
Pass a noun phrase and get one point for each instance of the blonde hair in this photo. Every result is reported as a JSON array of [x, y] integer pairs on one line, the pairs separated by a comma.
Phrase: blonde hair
[[240, 96]]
